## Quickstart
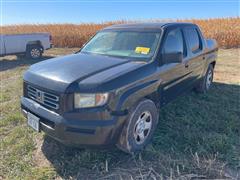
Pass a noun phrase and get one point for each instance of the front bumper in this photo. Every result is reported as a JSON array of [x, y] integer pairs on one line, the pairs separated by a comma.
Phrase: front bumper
[[74, 131]]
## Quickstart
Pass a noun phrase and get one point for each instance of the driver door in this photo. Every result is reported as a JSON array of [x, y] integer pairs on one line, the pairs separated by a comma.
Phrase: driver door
[[174, 75]]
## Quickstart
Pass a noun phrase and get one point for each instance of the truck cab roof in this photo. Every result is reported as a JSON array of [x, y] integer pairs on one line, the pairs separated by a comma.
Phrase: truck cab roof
[[146, 26]]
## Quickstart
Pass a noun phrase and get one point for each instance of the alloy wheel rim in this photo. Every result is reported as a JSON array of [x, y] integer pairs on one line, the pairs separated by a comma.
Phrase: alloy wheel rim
[[35, 53], [209, 79], [142, 127]]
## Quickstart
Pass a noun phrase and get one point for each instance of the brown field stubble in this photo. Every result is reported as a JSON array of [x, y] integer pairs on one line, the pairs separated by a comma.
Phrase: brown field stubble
[[225, 30]]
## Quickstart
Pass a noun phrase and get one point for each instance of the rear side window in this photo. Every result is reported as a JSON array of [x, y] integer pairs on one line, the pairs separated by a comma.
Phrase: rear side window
[[193, 39], [173, 42]]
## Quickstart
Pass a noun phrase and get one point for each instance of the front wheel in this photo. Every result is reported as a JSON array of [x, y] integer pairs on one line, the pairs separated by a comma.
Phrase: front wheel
[[139, 127]]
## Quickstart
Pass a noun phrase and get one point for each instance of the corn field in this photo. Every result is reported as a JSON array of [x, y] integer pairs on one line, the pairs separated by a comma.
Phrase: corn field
[[225, 30]]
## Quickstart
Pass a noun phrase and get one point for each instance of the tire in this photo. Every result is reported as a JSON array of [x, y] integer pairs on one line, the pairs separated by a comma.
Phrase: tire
[[206, 83], [139, 127], [34, 52]]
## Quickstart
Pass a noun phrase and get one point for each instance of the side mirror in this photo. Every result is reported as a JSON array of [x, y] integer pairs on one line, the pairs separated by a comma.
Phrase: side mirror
[[174, 57]]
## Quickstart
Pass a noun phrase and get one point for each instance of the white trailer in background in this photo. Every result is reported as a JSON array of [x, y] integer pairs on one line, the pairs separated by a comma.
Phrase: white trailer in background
[[31, 45]]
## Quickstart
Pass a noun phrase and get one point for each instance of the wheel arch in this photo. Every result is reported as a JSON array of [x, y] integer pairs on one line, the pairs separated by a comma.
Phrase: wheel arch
[[155, 97], [213, 63], [34, 43], [131, 97], [147, 90]]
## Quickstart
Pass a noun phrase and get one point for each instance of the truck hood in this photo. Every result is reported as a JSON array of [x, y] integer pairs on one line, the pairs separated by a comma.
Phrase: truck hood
[[58, 73]]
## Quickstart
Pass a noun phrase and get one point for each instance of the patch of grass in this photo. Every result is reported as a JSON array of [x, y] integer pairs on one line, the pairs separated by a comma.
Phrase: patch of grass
[[11, 91], [5, 97], [42, 173], [16, 150], [197, 136], [202, 123]]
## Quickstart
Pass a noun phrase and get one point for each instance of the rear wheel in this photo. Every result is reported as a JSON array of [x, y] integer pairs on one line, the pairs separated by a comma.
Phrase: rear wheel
[[139, 128], [34, 52], [206, 83]]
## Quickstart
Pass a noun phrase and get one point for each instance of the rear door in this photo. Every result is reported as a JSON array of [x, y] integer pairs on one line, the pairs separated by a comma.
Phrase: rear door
[[174, 75], [195, 45], [2, 49]]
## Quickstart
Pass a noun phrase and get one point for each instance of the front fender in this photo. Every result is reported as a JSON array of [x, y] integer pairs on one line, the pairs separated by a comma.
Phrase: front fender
[[130, 97], [134, 94], [210, 58]]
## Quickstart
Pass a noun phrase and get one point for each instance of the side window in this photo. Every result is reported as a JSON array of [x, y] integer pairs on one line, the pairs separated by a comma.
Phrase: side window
[[173, 42], [193, 39]]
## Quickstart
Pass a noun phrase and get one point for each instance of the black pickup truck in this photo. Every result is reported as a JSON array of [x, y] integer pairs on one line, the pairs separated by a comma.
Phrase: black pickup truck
[[110, 92]]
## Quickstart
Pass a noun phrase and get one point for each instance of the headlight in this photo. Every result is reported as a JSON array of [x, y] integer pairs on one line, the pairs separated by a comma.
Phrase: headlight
[[89, 100]]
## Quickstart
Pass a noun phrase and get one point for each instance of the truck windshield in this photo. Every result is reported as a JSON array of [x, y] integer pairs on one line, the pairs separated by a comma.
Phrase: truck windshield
[[123, 44]]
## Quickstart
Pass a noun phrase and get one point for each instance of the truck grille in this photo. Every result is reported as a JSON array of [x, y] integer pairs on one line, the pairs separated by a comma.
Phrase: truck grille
[[47, 99]]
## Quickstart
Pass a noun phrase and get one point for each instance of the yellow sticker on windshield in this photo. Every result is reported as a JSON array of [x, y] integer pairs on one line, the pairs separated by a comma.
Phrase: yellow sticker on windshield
[[142, 50]]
